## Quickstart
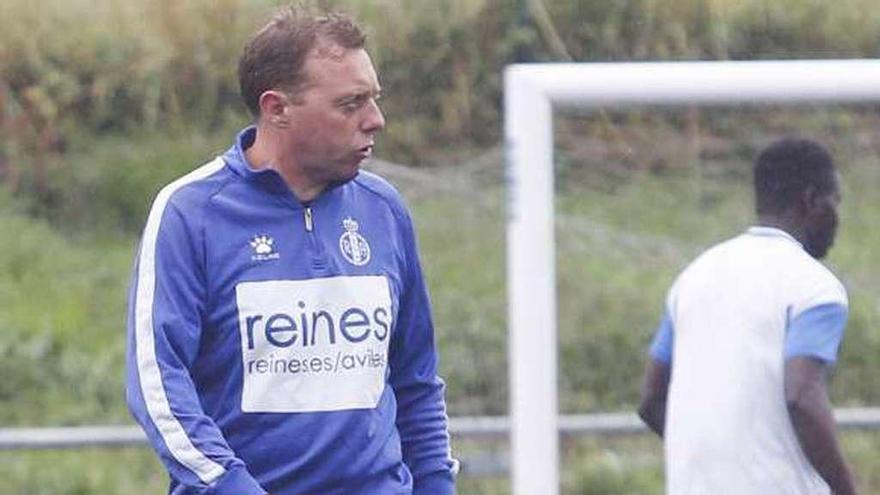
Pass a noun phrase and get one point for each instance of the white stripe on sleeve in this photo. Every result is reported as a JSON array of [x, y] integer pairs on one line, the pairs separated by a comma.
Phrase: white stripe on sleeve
[[179, 444]]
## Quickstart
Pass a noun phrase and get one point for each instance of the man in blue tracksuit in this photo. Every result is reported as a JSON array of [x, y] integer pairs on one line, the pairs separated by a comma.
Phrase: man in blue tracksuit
[[279, 329]]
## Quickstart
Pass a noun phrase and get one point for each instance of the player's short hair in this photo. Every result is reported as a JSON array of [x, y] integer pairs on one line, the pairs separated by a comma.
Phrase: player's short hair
[[274, 57], [785, 168]]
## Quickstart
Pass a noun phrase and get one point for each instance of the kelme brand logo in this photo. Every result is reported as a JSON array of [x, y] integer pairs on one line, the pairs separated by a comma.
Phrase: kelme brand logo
[[354, 247], [263, 249], [314, 345]]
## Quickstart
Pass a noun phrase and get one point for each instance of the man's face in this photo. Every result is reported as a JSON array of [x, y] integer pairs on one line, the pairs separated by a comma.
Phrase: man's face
[[335, 117], [822, 220]]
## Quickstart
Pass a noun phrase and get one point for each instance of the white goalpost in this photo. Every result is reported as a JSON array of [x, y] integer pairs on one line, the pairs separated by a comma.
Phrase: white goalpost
[[531, 91]]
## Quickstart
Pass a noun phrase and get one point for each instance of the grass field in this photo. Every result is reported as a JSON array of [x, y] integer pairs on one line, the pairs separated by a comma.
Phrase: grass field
[[621, 239]]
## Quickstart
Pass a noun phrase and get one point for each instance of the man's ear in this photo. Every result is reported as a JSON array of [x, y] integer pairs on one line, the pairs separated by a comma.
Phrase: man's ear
[[810, 199], [273, 109]]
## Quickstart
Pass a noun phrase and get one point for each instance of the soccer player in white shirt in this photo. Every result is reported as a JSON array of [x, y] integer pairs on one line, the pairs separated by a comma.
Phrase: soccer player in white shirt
[[736, 380]]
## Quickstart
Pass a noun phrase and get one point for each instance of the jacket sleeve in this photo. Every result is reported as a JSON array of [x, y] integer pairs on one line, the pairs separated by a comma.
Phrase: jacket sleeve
[[421, 414], [165, 313]]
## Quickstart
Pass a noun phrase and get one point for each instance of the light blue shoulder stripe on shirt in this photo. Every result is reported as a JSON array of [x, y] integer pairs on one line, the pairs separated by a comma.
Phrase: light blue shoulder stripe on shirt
[[816, 332], [661, 346]]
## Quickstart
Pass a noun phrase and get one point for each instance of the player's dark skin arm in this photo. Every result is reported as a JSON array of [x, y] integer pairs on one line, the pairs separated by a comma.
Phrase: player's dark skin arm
[[809, 408], [655, 385]]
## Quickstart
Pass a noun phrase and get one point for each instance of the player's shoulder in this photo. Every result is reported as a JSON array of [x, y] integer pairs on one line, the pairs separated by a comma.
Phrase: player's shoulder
[[381, 188], [194, 189], [817, 276], [707, 264], [807, 281], [377, 185], [786, 258], [720, 252]]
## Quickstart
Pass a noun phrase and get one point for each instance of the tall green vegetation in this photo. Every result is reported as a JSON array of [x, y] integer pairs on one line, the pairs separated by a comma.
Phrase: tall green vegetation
[[71, 69]]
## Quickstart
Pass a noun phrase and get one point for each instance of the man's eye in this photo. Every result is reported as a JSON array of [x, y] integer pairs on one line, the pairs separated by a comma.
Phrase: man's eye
[[350, 106]]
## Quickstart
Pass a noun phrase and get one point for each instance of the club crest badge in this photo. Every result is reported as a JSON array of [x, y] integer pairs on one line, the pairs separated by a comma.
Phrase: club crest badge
[[354, 247]]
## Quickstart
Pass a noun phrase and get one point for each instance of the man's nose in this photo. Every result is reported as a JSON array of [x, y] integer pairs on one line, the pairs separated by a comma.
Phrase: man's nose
[[374, 120]]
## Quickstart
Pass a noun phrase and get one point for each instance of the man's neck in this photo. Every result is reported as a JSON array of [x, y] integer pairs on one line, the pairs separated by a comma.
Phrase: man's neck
[[268, 152], [784, 223]]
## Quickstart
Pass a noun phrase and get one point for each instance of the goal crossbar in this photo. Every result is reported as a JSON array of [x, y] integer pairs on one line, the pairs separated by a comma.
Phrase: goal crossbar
[[531, 91]]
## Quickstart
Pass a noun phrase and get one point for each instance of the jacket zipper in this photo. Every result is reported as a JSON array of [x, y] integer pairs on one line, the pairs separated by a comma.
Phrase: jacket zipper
[[310, 226], [318, 260]]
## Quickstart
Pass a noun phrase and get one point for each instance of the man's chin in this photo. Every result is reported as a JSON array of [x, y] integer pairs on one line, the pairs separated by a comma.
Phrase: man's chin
[[818, 252], [347, 170]]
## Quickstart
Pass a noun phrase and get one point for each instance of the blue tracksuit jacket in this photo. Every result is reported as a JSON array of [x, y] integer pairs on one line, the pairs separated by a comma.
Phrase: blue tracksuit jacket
[[282, 347]]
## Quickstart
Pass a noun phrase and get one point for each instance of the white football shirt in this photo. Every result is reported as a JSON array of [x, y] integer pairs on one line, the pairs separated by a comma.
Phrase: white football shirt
[[732, 318]]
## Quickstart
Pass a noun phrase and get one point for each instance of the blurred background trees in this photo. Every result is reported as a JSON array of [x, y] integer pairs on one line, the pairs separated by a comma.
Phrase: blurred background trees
[[76, 69]]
